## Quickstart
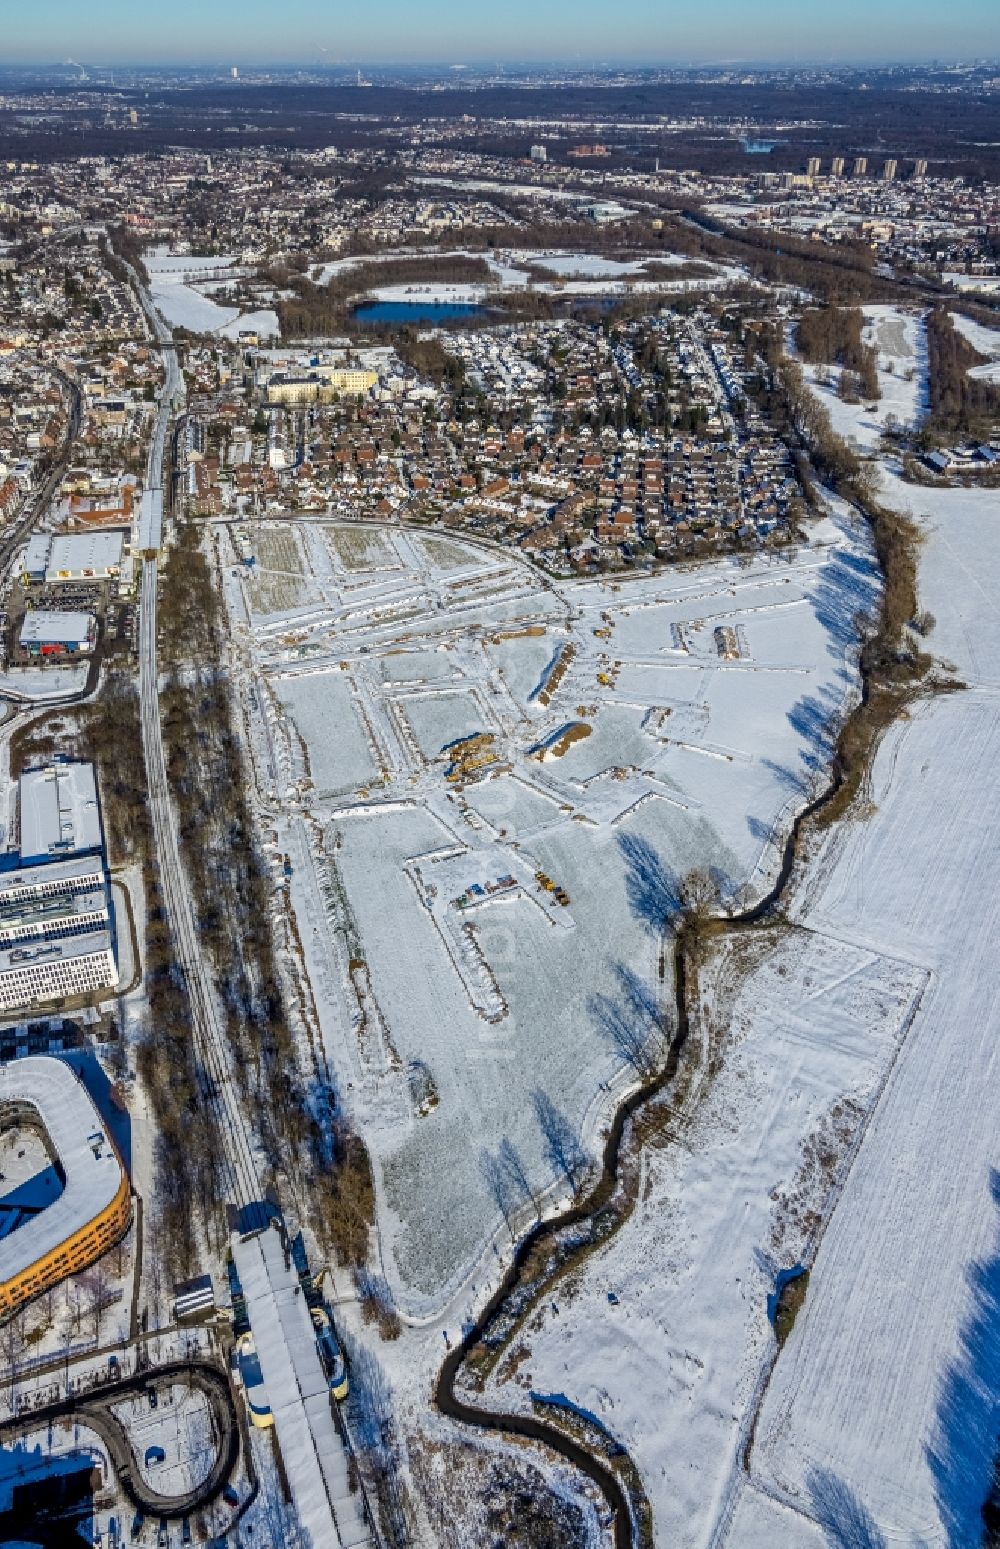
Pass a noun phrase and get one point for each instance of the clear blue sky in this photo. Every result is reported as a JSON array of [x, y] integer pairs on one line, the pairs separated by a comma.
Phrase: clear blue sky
[[657, 31]]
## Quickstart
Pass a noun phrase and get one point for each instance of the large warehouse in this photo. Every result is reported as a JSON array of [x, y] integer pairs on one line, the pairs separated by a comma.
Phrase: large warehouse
[[59, 811], [84, 556], [45, 1235], [45, 633]]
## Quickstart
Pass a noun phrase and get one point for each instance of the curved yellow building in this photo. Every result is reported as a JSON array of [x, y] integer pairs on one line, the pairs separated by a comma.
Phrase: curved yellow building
[[94, 1208]]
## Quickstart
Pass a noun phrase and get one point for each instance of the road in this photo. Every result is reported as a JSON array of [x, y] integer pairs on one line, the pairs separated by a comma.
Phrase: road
[[96, 1410], [39, 501]]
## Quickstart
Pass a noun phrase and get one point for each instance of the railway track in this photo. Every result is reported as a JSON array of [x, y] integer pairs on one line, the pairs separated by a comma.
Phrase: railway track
[[241, 1179]]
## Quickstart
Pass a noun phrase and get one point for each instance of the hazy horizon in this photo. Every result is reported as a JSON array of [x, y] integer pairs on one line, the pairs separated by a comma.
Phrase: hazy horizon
[[714, 34]]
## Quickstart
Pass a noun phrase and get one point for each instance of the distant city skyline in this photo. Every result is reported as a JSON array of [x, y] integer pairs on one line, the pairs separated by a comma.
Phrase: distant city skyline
[[574, 32]]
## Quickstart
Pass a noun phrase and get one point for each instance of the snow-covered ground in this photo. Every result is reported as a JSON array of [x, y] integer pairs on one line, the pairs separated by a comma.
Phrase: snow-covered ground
[[879, 1425], [584, 265], [855, 1099], [986, 341], [184, 307], [693, 759], [808, 1038], [573, 274], [901, 340], [183, 303], [889, 1379]]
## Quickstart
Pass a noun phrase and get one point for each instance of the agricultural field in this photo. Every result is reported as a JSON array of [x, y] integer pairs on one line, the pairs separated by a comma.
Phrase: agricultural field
[[360, 548]]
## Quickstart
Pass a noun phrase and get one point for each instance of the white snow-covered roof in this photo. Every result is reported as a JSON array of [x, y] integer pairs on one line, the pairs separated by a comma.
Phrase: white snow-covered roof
[[73, 874], [151, 519], [67, 949], [36, 555], [90, 1162], [59, 811], [298, 1393], [47, 627], [78, 552]]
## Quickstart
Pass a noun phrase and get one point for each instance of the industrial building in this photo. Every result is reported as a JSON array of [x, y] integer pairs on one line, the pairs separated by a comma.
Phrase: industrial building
[[85, 556], [59, 811], [46, 633], [56, 919], [47, 1235], [43, 972]]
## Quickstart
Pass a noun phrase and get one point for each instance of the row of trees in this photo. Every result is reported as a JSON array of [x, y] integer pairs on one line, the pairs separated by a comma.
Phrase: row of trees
[[301, 1129], [960, 405], [832, 336]]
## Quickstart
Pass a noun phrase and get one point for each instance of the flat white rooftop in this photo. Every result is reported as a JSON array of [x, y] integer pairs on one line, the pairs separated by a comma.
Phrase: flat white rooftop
[[89, 1160], [70, 555], [151, 519], [78, 872], [45, 627], [79, 553], [36, 555], [59, 811], [314, 1454], [46, 954]]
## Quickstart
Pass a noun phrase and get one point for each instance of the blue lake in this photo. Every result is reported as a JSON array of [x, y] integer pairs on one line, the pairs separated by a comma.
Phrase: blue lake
[[417, 312]]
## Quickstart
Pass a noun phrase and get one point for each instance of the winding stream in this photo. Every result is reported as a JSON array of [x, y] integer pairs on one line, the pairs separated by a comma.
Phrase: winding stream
[[515, 1282]]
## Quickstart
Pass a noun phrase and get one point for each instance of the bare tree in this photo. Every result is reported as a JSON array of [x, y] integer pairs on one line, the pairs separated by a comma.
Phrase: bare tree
[[76, 1297], [12, 1351], [98, 1284], [513, 1166], [562, 1148]]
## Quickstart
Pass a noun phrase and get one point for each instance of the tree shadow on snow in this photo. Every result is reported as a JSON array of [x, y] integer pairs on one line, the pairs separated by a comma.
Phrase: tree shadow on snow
[[964, 1449], [845, 1521], [844, 597], [631, 1020], [652, 887]]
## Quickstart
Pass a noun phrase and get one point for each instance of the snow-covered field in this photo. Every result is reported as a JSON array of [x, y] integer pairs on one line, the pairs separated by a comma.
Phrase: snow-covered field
[[809, 1036], [184, 307], [584, 265], [174, 284], [579, 274], [986, 341], [854, 1101], [901, 341], [693, 759], [889, 1379]]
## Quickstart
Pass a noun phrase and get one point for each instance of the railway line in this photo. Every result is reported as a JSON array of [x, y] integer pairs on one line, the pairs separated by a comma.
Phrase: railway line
[[241, 1177]]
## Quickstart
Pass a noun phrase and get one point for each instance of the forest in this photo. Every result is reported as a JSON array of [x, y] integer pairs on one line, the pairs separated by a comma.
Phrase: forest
[[960, 405]]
